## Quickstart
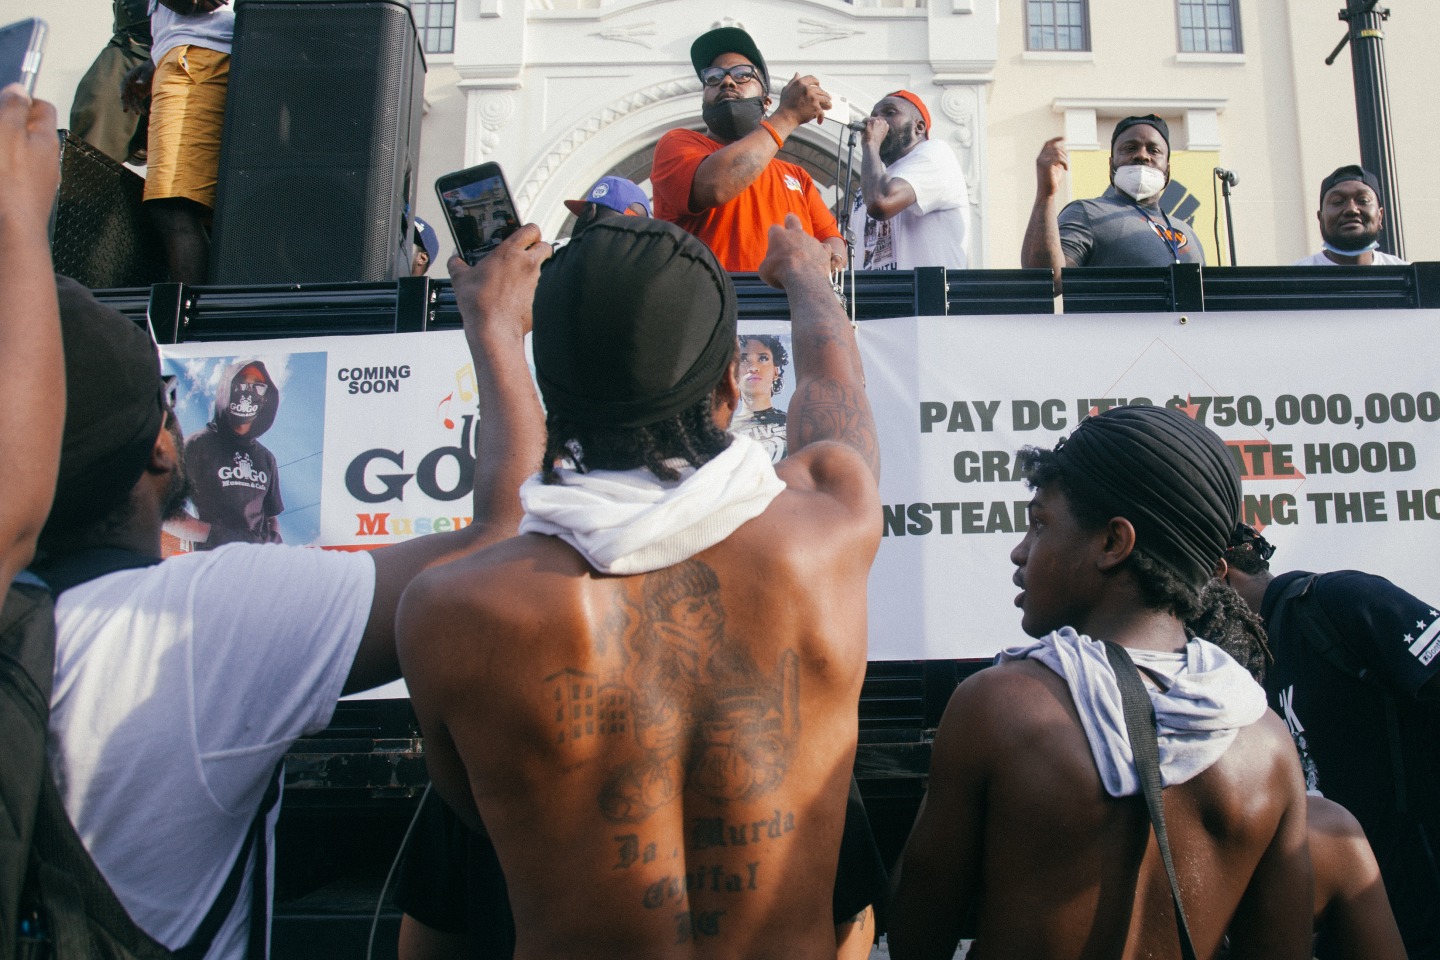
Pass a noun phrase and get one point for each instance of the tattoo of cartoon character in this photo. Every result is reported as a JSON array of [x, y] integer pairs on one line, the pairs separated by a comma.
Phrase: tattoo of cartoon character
[[702, 711]]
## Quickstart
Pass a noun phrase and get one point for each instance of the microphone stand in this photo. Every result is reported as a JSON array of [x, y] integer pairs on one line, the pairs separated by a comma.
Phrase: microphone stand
[[843, 173], [1229, 221]]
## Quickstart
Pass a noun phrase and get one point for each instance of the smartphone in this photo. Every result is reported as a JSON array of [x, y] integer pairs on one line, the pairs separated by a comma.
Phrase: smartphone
[[479, 209], [21, 46]]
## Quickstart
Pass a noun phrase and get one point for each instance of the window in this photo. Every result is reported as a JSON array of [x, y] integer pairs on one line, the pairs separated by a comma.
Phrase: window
[[1057, 25], [435, 23], [1209, 26]]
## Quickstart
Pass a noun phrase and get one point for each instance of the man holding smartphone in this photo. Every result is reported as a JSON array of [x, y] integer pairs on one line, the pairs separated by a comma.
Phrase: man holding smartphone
[[663, 752], [727, 186]]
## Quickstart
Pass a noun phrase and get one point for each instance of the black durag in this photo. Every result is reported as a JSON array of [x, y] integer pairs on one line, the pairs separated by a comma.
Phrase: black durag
[[634, 322], [1173, 479]]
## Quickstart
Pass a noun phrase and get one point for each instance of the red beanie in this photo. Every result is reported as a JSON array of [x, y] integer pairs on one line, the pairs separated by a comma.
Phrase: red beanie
[[918, 104]]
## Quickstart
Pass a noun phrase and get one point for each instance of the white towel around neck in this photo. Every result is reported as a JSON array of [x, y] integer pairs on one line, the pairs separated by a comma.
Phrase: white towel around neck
[[1207, 698], [630, 521]]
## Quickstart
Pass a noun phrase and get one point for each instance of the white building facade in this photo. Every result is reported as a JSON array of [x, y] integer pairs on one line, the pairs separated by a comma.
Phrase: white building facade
[[565, 91]]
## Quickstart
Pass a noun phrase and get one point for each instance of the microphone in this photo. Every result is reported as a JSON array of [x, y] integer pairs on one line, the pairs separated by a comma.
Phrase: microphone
[[1228, 176], [856, 126]]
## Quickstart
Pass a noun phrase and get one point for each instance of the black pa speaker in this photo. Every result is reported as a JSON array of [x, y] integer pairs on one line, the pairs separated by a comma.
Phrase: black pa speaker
[[321, 143]]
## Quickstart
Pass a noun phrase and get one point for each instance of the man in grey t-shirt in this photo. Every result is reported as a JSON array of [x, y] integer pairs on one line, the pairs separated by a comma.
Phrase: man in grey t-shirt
[[1123, 227]]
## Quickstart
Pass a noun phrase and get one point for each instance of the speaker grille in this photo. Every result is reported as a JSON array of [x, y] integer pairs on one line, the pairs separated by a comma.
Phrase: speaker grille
[[318, 152]]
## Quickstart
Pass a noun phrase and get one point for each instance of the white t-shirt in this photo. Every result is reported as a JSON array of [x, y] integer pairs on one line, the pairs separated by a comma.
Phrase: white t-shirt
[[168, 29], [178, 688], [934, 231], [1382, 259]]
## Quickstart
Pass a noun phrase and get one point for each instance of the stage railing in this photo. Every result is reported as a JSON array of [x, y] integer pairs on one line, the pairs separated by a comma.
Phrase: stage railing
[[180, 313]]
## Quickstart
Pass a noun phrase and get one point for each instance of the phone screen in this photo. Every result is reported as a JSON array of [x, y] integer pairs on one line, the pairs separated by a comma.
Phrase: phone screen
[[480, 210], [21, 45]]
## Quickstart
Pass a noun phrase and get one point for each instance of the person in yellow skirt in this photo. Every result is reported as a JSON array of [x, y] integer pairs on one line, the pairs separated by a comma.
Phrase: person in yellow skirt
[[186, 82]]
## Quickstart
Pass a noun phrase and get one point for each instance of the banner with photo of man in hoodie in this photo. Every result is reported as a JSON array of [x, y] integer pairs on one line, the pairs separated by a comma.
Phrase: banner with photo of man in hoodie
[[225, 406]]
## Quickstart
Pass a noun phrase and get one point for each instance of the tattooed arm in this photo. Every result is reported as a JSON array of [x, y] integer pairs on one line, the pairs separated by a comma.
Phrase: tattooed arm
[[856, 936], [829, 402], [494, 297]]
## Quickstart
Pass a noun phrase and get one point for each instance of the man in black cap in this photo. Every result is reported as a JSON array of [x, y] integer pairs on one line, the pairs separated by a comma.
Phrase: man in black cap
[[180, 685], [32, 408], [1351, 217], [1125, 226], [1355, 678], [664, 748], [1032, 838], [727, 186]]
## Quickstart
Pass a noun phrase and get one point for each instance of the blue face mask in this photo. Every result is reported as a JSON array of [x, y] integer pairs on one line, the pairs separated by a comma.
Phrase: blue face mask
[[1372, 245]]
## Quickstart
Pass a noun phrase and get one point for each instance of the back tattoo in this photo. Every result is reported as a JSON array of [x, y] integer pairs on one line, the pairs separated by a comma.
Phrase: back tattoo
[[704, 714]]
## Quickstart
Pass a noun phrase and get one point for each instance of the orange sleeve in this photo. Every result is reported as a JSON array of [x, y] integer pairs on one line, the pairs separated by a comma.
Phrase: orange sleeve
[[677, 156], [822, 221]]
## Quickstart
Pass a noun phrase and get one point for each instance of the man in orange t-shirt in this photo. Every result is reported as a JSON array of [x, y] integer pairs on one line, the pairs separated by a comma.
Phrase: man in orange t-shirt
[[727, 187]]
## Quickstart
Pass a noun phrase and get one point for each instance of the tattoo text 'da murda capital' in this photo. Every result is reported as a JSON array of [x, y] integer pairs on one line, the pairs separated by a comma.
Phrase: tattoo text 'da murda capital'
[[673, 880], [702, 712]]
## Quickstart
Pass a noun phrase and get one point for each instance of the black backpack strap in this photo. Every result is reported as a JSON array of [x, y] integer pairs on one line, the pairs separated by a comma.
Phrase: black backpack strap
[[82, 566], [260, 887], [1140, 727], [204, 935], [82, 915], [1301, 599]]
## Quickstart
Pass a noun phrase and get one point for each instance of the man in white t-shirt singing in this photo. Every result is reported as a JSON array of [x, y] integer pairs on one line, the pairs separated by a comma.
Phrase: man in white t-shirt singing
[[912, 209]]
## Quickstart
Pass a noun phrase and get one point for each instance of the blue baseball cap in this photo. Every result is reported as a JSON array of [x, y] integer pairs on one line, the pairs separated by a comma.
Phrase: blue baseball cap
[[425, 236], [617, 193]]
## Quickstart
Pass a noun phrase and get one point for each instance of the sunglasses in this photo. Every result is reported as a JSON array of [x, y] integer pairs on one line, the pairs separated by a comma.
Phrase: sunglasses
[[740, 73], [1247, 536]]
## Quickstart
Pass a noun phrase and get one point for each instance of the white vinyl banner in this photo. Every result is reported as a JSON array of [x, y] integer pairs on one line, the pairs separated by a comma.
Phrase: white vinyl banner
[[1333, 420]]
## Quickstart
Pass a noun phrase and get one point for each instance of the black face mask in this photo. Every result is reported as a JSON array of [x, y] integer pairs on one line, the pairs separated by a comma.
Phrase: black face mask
[[732, 119]]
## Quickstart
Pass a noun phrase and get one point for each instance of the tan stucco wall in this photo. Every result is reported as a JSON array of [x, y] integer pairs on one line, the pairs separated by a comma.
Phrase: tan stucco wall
[[1288, 120]]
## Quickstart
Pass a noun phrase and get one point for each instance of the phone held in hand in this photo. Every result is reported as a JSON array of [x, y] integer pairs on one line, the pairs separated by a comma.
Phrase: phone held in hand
[[22, 44], [479, 209]]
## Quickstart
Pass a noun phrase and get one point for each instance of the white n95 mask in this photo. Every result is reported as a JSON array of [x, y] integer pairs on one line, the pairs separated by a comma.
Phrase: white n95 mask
[[1139, 181]]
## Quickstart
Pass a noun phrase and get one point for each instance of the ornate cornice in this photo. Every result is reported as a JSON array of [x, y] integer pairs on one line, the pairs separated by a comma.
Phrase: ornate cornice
[[566, 145]]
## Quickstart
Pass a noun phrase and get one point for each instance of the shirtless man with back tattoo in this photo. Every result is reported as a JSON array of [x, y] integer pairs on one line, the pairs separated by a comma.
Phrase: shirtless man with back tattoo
[[648, 699]]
